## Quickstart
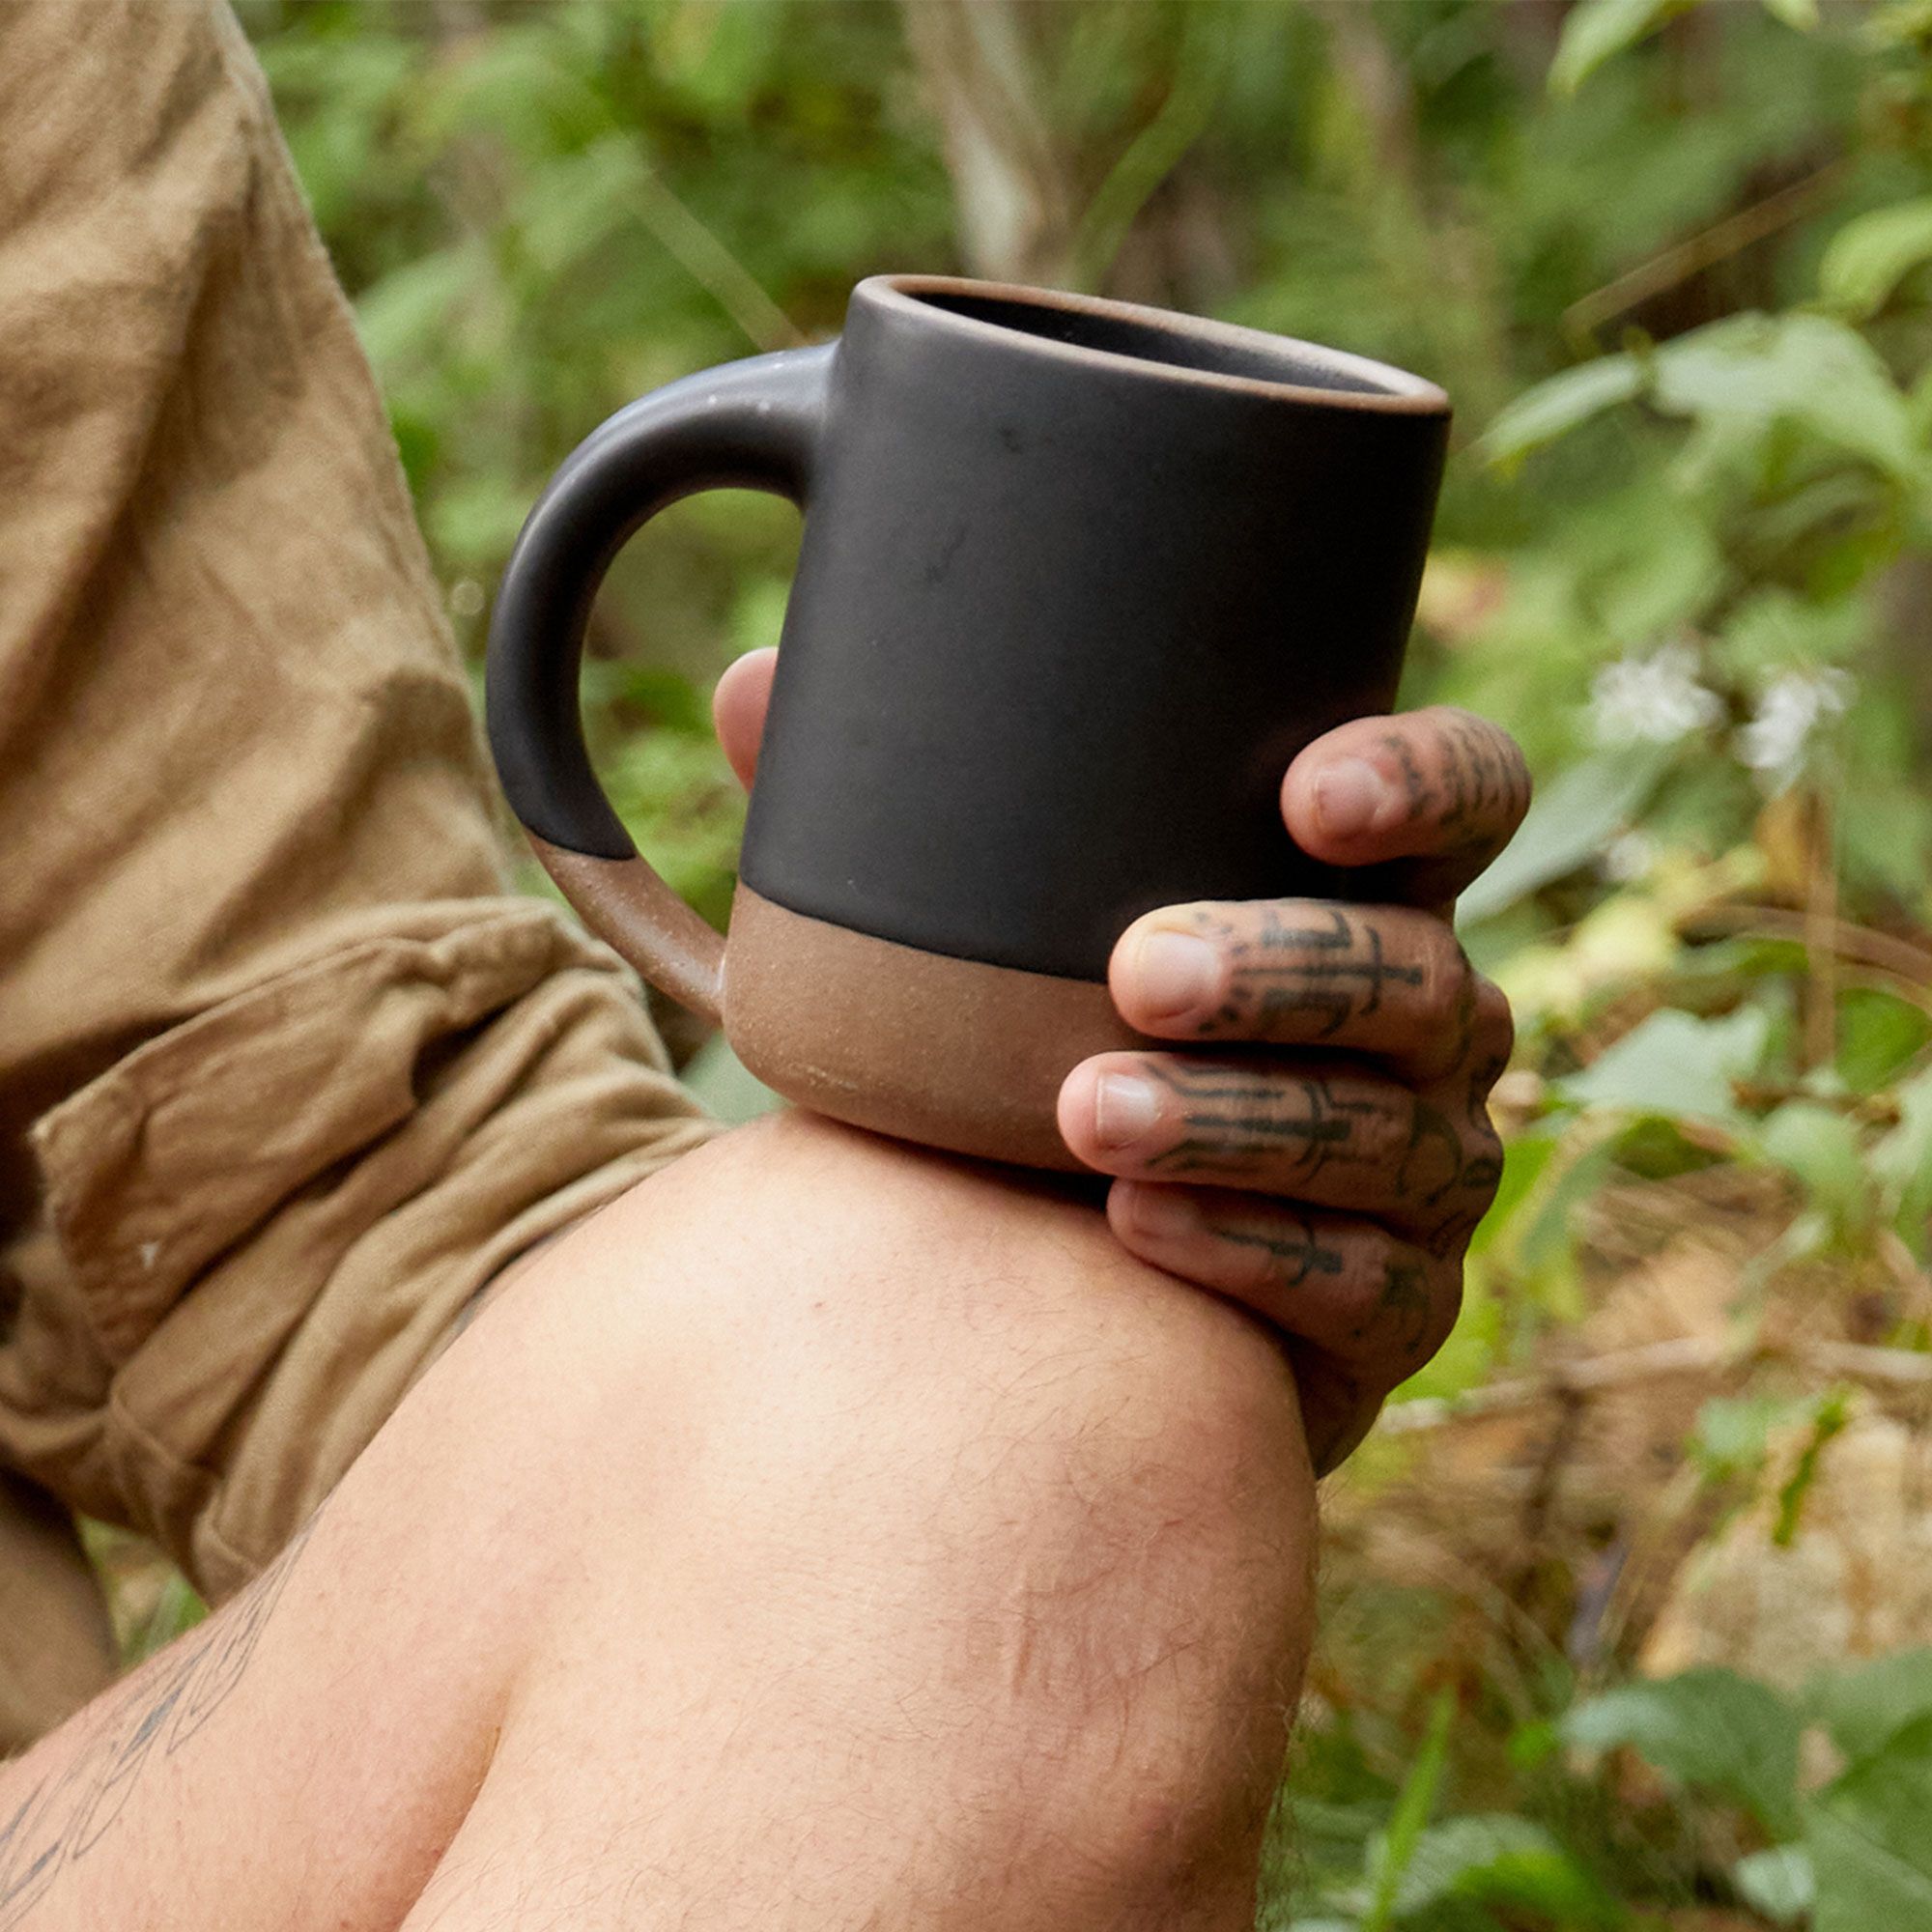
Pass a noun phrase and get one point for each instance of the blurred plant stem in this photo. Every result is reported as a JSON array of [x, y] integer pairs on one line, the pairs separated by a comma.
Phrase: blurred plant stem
[[1012, 193], [1821, 924], [1156, 151]]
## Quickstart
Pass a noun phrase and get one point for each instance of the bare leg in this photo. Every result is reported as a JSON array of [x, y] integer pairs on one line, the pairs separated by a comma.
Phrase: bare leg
[[824, 1536]]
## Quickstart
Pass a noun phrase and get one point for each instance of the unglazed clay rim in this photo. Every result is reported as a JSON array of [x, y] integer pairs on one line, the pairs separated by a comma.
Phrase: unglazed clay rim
[[945, 1052], [1401, 394]]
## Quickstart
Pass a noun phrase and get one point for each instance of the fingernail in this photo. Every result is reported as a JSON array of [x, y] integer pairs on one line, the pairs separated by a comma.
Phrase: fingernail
[[1353, 796], [1163, 1213], [1124, 1108], [1176, 973]]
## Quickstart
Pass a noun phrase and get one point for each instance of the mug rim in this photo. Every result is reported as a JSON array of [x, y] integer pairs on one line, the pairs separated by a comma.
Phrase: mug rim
[[1396, 391]]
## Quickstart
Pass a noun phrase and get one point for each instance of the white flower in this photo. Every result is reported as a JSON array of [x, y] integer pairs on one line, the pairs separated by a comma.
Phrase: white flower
[[1655, 700], [1629, 857], [1774, 743]]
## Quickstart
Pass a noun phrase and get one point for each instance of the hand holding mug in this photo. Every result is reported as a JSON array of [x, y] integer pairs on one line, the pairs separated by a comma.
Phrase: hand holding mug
[[1331, 1187]]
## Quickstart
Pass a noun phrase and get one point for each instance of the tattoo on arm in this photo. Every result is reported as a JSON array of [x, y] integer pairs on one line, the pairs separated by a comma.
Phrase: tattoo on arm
[[71, 1811]]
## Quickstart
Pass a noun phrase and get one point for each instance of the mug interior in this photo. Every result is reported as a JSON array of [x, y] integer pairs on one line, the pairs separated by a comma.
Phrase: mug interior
[[1117, 335]]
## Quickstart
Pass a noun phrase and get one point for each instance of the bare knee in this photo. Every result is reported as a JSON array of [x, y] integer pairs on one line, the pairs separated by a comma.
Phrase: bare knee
[[975, 1484]]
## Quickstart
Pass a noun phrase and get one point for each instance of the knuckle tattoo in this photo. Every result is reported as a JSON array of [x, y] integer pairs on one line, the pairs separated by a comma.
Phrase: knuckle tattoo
[[1482, 780], [1407, 1305], [1305, 970], [1287, 1253], [1234, 1123], [1432, 1164], [1422, 797]]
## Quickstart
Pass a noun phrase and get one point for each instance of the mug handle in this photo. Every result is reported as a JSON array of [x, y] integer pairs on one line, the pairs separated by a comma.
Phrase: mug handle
[[750, 425]]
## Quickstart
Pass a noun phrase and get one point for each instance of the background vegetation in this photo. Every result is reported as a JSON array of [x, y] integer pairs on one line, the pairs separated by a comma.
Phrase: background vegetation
[[1622, 1600]]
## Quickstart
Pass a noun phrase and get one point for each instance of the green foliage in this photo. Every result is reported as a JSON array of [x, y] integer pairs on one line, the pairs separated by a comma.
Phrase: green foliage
[[1864, 1706], [1871, 255], [1597, 29], [1848, 1852], [1570, 823], [1709, 1728], [1392, 1853], [1506, 1863]]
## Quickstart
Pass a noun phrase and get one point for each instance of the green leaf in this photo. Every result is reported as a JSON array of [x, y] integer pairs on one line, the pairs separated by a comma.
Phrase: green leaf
[[574, 205], [1820, 1147], [1572, 820], [1554, 408], [1391, 1854], [1863, 1884], [1709, 1728], [1524, 1160], [1801, 14], [1773, 629], [1749, 371], [682, 789], [1902, 1161], [474, 521], [1595, 30], [406, 315], [1866, 1704], [718, 57], [1777, 1882], [1879, 1036], [1503, 1861], [1676, 1064], [1866, 1834], [1654, 1148], [517, 84], [1870, 255]]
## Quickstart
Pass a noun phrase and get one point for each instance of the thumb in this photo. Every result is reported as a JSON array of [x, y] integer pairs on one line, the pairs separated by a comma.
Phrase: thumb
[[738, 707], [1432, 795]]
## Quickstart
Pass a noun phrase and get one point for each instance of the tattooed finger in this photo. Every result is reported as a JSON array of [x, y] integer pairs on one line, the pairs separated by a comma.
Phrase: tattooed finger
[[1438, 784], [1369, 1301], [1329, 1133], [1381, 980]]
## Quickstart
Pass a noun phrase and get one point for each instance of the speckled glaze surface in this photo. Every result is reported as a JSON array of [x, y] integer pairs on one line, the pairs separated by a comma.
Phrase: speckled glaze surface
[[1077, 581]]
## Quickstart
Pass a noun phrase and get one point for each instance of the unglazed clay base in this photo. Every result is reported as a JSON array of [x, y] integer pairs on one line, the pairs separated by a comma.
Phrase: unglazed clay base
[[948, 1052]]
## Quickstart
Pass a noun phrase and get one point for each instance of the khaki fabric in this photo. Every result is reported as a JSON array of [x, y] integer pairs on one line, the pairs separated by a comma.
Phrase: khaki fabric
[[286, 1071], [56, 1646]]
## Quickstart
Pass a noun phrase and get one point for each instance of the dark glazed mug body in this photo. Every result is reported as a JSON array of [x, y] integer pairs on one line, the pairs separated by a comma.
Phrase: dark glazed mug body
[[1078, 580]]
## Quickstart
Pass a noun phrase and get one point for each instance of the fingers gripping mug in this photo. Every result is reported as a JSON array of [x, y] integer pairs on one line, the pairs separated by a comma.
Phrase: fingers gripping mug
[[1078, 579]]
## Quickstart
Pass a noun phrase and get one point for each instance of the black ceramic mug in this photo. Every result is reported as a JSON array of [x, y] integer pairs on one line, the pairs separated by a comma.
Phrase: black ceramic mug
[[1078, 580]]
